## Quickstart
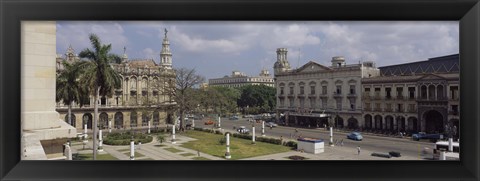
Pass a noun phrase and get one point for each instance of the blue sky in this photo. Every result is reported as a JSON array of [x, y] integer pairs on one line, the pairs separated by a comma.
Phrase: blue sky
[[215, 48]]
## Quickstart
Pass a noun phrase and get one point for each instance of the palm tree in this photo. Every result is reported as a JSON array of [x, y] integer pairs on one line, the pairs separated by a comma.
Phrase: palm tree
[[68, 89], [98, 77]]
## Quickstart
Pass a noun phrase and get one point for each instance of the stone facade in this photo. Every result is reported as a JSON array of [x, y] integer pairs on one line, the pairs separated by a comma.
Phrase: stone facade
[[420, 96], [412, 97], [304, 94], [144, 95], [239, 79], [43, 133]]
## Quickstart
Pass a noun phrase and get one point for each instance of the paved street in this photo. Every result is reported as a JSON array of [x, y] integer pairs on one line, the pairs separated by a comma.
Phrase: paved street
[[374, 143]]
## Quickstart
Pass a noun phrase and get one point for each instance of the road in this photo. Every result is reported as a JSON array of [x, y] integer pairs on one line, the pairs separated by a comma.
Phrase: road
[[372, 143]]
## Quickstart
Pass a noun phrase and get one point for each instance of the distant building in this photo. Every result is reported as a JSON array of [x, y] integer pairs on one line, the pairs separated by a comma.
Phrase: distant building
[[142, 97], [417, 96], [239, 79], [305, 93]]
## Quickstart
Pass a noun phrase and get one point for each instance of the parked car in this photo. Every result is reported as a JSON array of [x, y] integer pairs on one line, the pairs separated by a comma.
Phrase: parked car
[[233, 118], [423, 135], [355, 136], [209, 122], [243, 130], [271, 124]]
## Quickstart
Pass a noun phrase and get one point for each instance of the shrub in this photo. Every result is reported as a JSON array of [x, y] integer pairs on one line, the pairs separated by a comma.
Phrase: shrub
[[381, 155], [124, 138], [222, 141], [395, 154], [292, 144], [270, 140]]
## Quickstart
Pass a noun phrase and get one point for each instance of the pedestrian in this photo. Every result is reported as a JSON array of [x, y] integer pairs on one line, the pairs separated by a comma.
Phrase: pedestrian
[[341, 143], [358, 150]]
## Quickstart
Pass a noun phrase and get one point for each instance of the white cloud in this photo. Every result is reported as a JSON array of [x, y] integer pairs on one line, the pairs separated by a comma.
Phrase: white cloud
[[76, 34]]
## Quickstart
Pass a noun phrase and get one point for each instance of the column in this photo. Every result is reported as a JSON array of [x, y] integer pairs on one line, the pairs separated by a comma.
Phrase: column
[[227, 154], [263, 128], [219, 121], [100, 140], [253, 133], [132, 149], [173, 133], [331, 136], [395, 124]]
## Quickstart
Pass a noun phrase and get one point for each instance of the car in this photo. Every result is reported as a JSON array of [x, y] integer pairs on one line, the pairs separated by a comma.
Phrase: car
[[423, 135], [243, 130], [209, 122], [355, 136], [233, 118], [271, 124]]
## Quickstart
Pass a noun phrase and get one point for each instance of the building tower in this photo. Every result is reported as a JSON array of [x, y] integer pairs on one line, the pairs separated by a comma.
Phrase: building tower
[[264, 73], [282, 64], [70, 54], [165, 54], [338, 61], [124, 56]]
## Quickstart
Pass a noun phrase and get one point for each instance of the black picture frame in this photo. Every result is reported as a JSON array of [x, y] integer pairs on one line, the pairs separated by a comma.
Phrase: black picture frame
[[467, 12]]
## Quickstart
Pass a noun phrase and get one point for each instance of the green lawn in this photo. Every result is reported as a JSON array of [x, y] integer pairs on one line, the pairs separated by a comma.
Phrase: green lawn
[[187, 154], [90, 157], [173, 150], [200, 158], [239, 148]]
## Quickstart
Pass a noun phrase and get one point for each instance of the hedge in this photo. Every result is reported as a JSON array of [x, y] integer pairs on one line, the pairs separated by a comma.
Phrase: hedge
[[381, 155], [125, 138], [292, 144]]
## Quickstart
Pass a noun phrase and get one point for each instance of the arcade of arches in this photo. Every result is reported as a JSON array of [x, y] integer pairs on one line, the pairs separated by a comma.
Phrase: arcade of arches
[[120, 119]]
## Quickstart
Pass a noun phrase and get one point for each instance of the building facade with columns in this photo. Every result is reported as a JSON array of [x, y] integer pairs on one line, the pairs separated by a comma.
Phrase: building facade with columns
[[144, 96], [419, 96], [239, 79], [305, 94]]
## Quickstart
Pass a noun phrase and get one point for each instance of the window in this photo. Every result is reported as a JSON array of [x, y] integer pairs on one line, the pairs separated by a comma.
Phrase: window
[[339, 105], [377, 107], [399, 91], [352, 89], [352, 104], [302, 103], [411, 92], [367, 89], [302, 90], [339, 89], [400, 107], [388, 92], [291, 102], [454, 92], [281, 90], [324, 103], [312, 90], [455, 109], [324, 90], [312, 103], [291, 90], [367, 106], [282, 102]]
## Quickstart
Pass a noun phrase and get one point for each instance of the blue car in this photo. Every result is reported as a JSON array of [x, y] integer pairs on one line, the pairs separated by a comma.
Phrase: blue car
[[355, 136]]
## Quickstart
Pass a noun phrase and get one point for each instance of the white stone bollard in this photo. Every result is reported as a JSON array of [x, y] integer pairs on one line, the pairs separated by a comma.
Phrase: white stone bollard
[[109, 126], [253, 134], [263, 128], [227, 154], [148, 127], [219, 121], [132, 150], [85, 131], [100, 140], [331, 137], [450, 144], [173, 134], [68, 152], [442, 155]]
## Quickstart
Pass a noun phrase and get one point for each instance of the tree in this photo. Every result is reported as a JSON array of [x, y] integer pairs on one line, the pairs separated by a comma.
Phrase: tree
[[68, 89], [260, 98], [98, 77], [186, 80]]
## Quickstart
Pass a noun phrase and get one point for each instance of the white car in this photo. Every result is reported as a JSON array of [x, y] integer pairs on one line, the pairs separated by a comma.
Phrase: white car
[[242, 130]]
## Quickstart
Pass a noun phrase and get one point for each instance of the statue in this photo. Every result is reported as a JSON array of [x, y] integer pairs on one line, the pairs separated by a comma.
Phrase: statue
[[166, 31]]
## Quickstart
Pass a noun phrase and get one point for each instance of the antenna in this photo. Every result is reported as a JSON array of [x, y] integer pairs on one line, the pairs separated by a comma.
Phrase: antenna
[[298, 60]]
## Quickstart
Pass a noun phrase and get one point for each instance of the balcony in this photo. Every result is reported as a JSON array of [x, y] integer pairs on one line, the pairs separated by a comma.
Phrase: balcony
[[412, 110], [388, 97], [388, 110], [400, 110], [323, 95], [377, 97], [312, 96], [366, 96], [377, 109], [337, 95], [400, 97], [301, 95], [452, 112], [367, 109], [352, 95], [291, 95]]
